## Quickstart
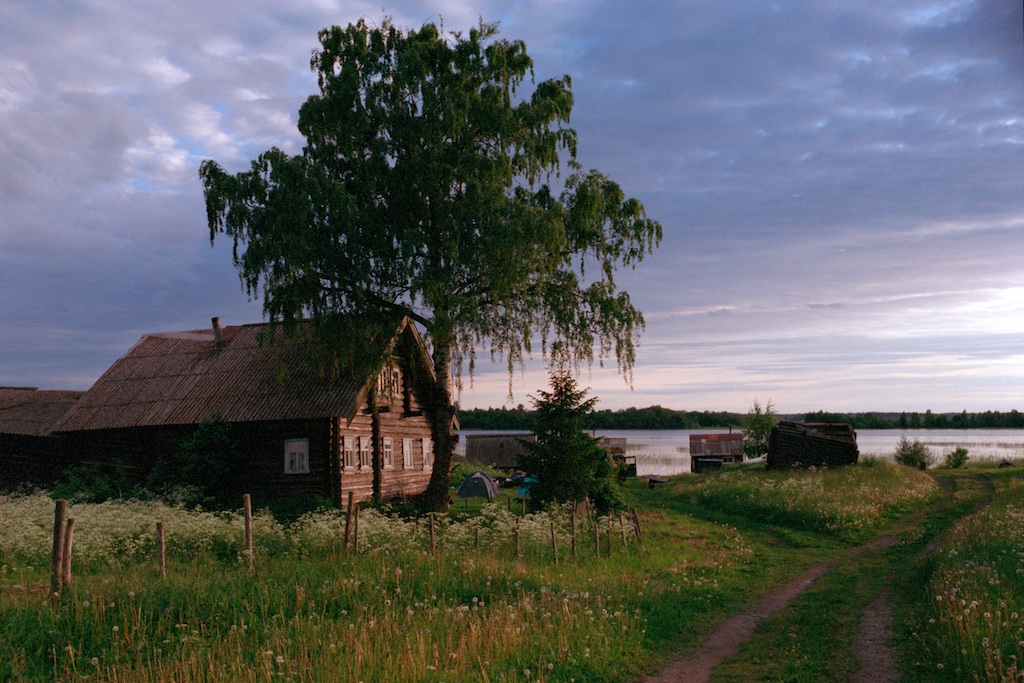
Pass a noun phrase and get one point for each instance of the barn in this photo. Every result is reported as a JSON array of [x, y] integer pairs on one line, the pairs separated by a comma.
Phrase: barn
[[28, 452], [302, 429]]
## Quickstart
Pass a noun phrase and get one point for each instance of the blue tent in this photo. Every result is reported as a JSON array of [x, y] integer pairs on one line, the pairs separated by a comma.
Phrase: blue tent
[[524, 490], [478, 485]]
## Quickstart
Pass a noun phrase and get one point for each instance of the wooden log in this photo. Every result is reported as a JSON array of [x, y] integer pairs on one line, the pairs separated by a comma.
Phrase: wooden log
[[60, 518], [247, 506], [69, 537], [161, 550]]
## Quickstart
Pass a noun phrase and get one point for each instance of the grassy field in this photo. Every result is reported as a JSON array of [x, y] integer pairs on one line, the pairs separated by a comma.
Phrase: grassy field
[[475, 608]]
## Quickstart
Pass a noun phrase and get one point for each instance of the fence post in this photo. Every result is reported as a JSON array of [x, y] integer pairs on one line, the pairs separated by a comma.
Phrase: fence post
[[608, 534], [348, 520], [636, 525], [161, 550], [247, 505], [60, 517], [516, 534], [476, 538], [554, 542], [622, 530], [355, 532], [431, 515], [572, 517], [597, 538], [69, 537]]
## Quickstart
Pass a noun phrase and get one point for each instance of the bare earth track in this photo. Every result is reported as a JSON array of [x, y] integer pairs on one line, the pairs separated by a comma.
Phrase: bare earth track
[[876, 657]]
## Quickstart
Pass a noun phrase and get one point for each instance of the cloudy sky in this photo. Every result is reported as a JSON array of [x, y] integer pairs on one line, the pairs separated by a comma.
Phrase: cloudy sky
[[841, 184]]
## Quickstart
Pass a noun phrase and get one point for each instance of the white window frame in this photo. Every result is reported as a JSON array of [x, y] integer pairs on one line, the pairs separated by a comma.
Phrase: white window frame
[[365, 452], [296, 456], [349, 461], [428, 454], [387, 453], [407, 454]]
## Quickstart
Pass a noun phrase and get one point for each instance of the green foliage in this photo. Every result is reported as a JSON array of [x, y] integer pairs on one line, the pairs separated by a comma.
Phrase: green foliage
[[913, 454], [208, 462], [568, 464], [423, 191], [757, 429], [89, 484], [956, 458]]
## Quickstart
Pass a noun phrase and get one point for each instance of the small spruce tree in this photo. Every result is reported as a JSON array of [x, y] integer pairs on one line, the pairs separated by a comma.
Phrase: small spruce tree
[[568, 464]]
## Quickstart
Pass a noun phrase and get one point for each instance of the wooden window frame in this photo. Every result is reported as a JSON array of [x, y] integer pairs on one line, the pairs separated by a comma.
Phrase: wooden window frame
[[296, 460]]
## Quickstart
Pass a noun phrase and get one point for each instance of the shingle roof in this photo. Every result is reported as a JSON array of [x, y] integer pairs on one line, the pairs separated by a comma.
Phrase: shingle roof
[[182, 378], [33, 412]]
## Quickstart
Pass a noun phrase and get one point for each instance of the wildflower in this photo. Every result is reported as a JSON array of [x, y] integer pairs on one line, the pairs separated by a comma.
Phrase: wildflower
[[95, 661]]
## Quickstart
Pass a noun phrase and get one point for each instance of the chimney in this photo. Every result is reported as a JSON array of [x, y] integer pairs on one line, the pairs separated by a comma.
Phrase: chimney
[[218, 333]]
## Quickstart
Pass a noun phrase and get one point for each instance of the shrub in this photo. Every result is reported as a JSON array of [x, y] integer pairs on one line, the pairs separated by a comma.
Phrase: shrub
[[957, 458], [913, 454]]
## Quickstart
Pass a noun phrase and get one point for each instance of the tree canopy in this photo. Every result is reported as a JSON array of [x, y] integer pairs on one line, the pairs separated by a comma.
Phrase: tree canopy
[[424, 190]]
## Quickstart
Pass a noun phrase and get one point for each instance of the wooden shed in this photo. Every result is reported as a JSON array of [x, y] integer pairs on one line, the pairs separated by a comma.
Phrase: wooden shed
[[710, 452], [812, 444], [498, 450], [28, 451], [303, 430]]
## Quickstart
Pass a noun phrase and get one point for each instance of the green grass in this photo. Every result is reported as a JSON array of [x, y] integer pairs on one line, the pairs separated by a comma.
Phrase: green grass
[[396, 612]]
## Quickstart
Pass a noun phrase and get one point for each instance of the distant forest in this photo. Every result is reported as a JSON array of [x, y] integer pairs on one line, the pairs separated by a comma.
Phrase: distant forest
[[657, 417]]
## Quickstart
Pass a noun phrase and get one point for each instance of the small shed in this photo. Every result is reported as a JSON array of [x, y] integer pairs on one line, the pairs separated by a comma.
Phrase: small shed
[[498, 450], [28, 450], [710, 452], [812, 444]]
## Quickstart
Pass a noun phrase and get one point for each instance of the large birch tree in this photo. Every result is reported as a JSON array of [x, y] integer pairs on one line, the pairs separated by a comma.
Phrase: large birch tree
[[425, 189]]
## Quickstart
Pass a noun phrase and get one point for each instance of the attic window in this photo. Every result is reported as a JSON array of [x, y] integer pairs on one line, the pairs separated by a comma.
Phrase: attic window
[[388, 382], [296, 456]]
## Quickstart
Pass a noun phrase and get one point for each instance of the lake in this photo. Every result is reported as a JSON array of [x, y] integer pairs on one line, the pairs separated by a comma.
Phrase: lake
[[667, 452]]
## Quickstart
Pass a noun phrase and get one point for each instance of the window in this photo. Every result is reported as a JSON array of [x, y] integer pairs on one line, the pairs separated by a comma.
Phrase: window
[[296, 456], [349, 459], [365, 452], [428, 454], [388, 453], [407, 454]]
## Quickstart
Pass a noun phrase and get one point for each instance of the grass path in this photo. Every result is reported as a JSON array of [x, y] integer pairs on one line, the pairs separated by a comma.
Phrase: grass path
[[834, 621]]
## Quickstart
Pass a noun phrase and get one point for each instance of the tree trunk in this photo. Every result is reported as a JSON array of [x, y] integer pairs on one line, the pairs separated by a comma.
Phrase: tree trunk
[[440, 415]]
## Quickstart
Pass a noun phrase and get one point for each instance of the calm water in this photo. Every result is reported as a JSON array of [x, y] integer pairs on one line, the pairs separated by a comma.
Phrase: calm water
[[665, 452]]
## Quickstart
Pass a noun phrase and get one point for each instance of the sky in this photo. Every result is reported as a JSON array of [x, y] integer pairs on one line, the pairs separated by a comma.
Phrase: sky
[[840, 184]]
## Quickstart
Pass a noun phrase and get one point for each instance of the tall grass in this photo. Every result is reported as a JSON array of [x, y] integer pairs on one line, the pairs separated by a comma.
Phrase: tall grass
[[850, 503], [395, 611], [970, 621]]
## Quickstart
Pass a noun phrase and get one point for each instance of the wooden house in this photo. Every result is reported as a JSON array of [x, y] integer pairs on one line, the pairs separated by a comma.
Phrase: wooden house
[[28, 452], [302, 430], [812, 444], [710, 452]]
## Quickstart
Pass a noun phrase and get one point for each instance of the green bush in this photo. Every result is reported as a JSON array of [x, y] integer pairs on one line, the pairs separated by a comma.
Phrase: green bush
[[913, 454], [88, 484], [957, 458]]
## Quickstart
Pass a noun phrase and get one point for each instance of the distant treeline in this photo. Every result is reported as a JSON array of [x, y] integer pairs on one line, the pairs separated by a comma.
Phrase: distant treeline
[[654, 417], [657, 417]]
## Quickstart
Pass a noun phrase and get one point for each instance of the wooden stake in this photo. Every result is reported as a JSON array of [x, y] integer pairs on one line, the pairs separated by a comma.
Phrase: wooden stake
[[348, 520], [608, 534], [355, 532], [516, 534], [554, 542], [69, 537], [161, 550], [622, 529], [572, 517], [60, 518], [431, 533], [636, 526], [476, 538], [247, 506], [597, 539]]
